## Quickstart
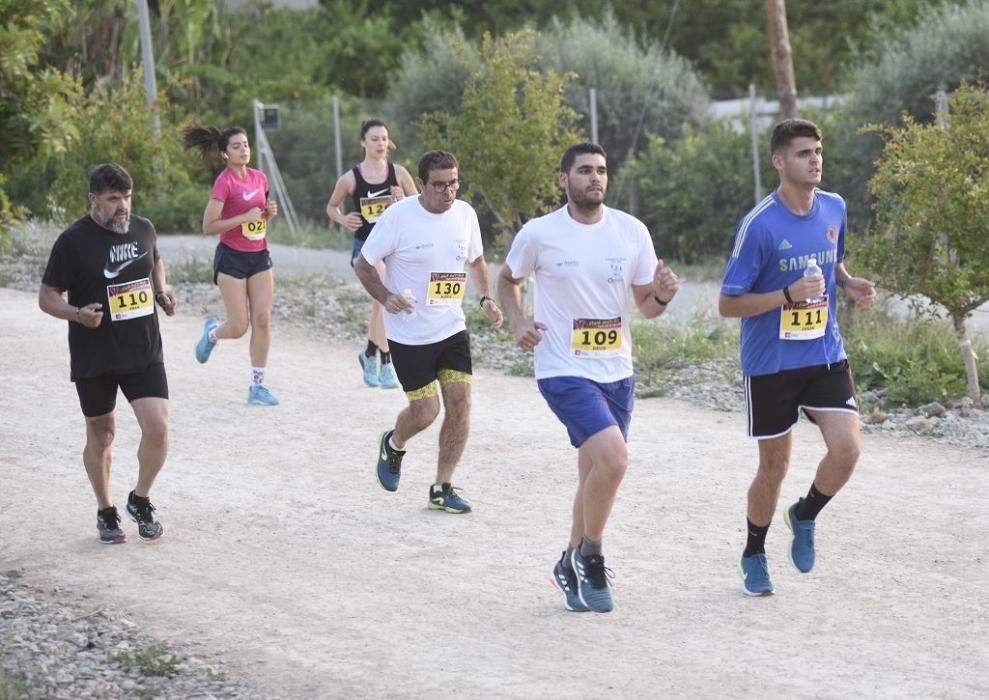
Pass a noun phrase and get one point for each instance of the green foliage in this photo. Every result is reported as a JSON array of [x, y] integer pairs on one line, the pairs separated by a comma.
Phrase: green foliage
[[118, 127], [178, 211], [932, 207], [153, 660], [511, 132], [693, 192], [659, 345], [945, 47], [430, 79], [639, 88], [915, 360]]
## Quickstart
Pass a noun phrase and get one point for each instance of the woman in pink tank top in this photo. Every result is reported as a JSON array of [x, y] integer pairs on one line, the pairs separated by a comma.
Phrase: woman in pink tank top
[[239, 211]]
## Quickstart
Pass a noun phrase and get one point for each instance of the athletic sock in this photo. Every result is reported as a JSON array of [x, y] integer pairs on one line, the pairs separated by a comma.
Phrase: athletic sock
[[371, 349], [212, 335], [568, 557], [385, 357], [755, 543], [391, 443], [257, 375], [589, 547], [437, 489], [812, 504]]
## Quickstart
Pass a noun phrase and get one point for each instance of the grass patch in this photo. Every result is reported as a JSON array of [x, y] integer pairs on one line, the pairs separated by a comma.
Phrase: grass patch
[[153, 660], [660, 345], [310, 235], [915, 360], [190, 271]]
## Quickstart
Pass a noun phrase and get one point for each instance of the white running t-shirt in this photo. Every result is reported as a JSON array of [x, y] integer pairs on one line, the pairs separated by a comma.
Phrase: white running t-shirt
[[426, 254], [583, 278]]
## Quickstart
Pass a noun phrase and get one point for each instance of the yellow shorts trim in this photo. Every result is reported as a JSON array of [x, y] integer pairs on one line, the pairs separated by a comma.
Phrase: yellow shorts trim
[[452, 376], [422, 392]]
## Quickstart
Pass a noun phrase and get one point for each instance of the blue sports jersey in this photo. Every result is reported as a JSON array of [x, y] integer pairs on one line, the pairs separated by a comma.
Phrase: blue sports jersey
[[772, 246]]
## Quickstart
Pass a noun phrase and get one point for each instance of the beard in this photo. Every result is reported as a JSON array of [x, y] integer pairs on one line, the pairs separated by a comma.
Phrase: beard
[[585, 200], [111, 224]]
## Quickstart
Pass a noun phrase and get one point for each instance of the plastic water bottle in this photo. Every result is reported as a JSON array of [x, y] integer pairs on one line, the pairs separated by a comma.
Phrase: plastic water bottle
[[407, 293], [813, 269]]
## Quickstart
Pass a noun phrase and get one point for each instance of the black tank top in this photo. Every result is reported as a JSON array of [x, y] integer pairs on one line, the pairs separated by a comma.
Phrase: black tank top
[[371, 200]]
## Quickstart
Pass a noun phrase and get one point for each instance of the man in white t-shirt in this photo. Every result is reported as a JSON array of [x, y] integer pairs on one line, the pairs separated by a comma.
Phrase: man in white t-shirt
[[428, 242], [586, 259]]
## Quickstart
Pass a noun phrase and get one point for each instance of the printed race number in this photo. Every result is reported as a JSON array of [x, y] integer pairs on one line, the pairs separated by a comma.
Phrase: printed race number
[[131, 300], [803, 320], [596, 338], [373, 207], [254, 230], [446, 288]]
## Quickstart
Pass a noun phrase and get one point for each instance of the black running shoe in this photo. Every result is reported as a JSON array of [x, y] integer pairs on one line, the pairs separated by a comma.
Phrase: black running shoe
[[108, 525], [142, 512]]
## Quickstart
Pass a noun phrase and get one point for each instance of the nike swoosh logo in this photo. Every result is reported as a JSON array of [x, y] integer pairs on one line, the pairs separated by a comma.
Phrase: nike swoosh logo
[[247, 195], [378, 193], [112, 271]]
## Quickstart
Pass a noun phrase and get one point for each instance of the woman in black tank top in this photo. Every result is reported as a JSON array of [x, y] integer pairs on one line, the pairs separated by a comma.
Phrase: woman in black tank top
[[372, 185]]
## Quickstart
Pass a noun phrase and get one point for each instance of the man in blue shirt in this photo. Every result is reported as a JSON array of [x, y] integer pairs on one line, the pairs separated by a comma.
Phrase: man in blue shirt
[[792, 353]]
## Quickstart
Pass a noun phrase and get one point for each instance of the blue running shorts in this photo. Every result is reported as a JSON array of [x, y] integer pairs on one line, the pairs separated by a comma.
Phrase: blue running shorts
[[587, 407]]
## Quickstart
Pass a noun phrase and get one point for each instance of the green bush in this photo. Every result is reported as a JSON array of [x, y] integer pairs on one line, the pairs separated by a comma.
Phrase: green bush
[[640, 88], [657, 345], [693, 192], [176, 212], [916, 359]]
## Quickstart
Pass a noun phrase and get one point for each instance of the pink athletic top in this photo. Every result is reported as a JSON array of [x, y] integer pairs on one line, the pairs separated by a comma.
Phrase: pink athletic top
[[239, 196]]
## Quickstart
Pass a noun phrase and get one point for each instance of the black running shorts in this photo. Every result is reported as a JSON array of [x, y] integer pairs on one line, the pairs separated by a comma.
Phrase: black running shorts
[[239, 264], [418, 366], [98, 395], [774, 401]]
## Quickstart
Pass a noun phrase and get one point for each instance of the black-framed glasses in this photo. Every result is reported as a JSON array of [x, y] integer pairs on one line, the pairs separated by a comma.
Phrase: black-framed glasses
[[442, 187]]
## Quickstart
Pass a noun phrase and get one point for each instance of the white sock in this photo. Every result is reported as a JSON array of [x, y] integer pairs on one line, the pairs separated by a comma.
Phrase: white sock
[[212, 335], [391, 443], [257, 375]]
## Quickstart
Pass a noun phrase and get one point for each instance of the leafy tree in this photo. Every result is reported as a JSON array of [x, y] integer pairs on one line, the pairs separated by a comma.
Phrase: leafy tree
[[932, 214], [511, 132], [639, 89], [35, 116], [692, 192], [944, 48]]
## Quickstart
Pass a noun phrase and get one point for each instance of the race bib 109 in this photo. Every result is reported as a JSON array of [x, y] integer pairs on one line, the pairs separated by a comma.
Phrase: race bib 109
[[596, 338]]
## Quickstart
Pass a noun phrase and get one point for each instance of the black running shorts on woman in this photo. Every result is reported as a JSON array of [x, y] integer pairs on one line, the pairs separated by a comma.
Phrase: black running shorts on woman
[[418, 366], [238, 263], [774, 401]]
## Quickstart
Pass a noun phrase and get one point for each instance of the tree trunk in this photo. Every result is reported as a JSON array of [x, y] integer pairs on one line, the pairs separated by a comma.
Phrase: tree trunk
[[968, 357], [779, 42]]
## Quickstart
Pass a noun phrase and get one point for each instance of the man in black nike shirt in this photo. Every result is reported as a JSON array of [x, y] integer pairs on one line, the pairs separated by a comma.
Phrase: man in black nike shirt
[[108, 263]]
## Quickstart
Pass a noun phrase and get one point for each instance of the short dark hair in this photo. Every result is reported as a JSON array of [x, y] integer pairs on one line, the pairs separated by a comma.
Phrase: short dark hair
[[369, 124], [436, 160], [785, 131], [109, 177], [580, 149]]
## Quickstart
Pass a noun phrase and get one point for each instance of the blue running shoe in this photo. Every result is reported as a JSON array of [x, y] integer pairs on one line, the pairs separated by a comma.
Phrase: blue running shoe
[[205, 346], [370, 367], [565, 579], [592, 581], [258, 395], [755, 575], [445, 497], [108, 525], [802, 548], [386, 376], [389, 463]]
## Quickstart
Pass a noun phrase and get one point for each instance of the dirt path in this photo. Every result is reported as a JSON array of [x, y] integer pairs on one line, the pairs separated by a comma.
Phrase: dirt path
[[283, 554]]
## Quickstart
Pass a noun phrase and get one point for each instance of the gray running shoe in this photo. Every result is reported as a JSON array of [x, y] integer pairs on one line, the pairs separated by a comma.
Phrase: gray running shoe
[[142, 512], [108, 525]]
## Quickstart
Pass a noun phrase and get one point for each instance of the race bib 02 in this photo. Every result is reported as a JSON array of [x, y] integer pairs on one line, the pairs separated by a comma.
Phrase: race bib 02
[[446, 288], [254, 230], [596, 338], [373, 207], [130, 300], [804, 320]]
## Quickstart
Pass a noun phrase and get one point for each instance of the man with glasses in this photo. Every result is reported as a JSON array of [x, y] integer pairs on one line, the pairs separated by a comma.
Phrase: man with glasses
[[428, 243]]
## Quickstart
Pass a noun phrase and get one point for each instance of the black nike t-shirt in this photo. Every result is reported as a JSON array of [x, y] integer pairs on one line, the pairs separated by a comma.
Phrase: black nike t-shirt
[[94, 264]]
